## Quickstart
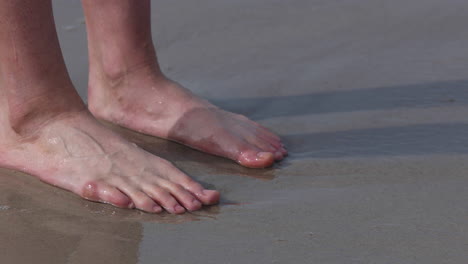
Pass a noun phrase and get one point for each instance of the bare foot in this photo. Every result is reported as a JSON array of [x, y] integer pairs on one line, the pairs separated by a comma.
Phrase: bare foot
[[73, 151], [152, 104]]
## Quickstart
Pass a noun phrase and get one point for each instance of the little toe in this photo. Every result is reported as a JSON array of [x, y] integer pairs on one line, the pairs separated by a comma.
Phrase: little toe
[[256, 159]]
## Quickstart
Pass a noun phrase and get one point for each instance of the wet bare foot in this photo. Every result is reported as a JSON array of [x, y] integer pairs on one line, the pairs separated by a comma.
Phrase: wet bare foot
[[73, 151], [152, 104]]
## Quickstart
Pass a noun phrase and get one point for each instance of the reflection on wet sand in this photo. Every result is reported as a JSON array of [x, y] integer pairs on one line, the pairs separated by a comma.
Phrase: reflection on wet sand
[[42, 224]]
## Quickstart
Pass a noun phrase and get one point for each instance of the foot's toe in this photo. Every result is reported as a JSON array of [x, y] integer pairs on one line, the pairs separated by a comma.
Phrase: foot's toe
[[261, 143], [164, 199], [267, 136], [267, 133], [275, 143], [256, 159], [117, 198], [264, 134], [141, 200], [248, 154], [284, 151], [185, 198], [278, 155], [207, 197], [144, 203], [102, 192], [157, 209]]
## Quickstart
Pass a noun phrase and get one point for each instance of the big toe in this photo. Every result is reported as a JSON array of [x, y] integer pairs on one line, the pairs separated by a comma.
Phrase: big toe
[[256, 159], [104, 193]]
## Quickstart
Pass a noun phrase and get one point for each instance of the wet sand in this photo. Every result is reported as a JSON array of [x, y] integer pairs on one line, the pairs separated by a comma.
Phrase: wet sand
[[371, 98]]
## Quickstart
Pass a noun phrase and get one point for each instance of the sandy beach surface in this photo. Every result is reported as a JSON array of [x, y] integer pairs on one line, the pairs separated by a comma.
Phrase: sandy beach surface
[[371, 98]]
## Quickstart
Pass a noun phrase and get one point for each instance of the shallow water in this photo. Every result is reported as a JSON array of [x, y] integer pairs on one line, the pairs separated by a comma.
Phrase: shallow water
[[371, 98]]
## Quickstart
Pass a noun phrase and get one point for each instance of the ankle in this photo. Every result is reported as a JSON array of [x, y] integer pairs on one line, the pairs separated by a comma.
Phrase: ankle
[[114, 66], [25, 118]]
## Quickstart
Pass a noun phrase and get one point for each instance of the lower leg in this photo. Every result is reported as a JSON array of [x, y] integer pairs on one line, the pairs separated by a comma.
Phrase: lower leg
[[127, 87], [45, 129], [119, 38], [34, 83]]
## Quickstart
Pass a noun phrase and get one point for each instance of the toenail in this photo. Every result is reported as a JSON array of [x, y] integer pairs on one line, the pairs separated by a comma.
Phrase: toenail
[[196, 203], [157, 209]]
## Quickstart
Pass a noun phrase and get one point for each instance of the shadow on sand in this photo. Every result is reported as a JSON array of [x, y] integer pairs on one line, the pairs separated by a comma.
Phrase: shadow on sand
[[391, 141], [381, 98]]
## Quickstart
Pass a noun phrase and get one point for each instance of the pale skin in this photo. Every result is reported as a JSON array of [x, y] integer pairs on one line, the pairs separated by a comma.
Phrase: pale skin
[[47, 131]]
